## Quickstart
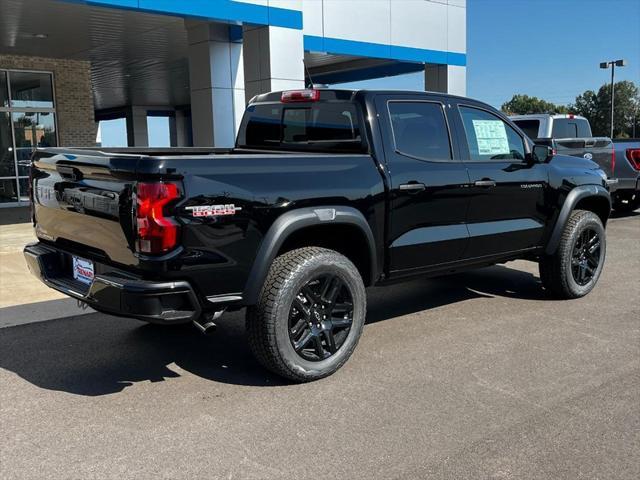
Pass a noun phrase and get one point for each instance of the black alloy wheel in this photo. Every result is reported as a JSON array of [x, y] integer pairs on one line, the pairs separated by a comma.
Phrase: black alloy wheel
[[585, 256], [310, 314], [573, 270], [320, 317]]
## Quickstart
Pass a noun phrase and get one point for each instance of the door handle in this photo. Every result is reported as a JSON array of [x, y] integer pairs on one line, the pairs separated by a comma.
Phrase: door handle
[[412, 187], [485, 183]]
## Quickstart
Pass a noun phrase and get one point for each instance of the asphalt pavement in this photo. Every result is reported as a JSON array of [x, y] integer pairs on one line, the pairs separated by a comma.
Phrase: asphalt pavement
[[472, 376]]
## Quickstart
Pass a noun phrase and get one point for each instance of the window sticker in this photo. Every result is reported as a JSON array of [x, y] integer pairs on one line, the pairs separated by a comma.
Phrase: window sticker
[[491, 137]]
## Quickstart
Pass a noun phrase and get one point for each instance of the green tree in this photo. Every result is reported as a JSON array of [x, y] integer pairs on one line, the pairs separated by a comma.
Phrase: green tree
[[524, 104], [596, 107]]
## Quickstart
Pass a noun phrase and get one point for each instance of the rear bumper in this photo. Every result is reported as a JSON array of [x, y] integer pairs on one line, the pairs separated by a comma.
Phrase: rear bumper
[[626, 184], [116, 292]]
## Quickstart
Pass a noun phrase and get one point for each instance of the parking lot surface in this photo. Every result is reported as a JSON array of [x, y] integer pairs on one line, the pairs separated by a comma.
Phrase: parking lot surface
[[476, 375]]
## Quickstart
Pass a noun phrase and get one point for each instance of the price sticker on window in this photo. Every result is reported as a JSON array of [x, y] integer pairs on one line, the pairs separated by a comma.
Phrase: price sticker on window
[[491, 136]]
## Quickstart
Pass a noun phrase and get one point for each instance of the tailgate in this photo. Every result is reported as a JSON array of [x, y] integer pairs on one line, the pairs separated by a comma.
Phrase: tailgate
[[598, 149], [82, 202]]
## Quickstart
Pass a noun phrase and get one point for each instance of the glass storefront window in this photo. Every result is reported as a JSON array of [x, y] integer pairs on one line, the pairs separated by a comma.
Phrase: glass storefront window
[[31, 90], [4, 94], [23, 183], [8, 191], [27, 121], [7, 163], [32, 130]]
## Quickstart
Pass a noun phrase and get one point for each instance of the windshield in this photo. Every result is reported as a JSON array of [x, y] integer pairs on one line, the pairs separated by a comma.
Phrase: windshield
[[320, 127]]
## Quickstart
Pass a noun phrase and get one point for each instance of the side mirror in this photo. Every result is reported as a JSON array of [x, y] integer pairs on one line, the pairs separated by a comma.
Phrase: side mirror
[[542, 153]]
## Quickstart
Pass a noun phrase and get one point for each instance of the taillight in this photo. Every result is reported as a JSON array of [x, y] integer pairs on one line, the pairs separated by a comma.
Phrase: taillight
[[613, 161], [633, 155], [307, 95], [157, 233]]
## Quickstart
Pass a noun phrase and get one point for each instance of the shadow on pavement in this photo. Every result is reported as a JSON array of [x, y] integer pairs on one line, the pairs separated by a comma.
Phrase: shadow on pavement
[[616, 214], [97, 354], [14, 215]]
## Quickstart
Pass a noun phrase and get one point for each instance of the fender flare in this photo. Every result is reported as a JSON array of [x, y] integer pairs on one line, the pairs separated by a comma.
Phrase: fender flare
[[574, 196], [294, 220]]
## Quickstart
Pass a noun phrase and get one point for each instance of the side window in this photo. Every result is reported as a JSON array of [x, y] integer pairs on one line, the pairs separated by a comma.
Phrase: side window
[[420, 130], [530, 127], [489, 137]]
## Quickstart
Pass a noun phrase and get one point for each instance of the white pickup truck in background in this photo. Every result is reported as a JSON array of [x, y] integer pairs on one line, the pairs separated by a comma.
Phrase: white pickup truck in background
[[571, 135]]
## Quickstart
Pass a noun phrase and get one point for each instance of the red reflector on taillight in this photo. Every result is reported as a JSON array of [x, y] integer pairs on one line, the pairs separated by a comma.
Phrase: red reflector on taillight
[[633, 155], [156, 233], [300, 96], [613, 161]]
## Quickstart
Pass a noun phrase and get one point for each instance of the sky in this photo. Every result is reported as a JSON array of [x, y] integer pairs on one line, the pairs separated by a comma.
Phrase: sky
[[546, 48], [551, 49], [113, 133]]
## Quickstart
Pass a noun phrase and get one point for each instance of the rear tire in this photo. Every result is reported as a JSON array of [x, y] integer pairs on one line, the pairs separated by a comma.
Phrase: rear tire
[[309, 316], [573, 270]]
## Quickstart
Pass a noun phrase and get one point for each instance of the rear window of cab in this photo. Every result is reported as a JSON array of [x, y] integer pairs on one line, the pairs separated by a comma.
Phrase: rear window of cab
[[322, 127]]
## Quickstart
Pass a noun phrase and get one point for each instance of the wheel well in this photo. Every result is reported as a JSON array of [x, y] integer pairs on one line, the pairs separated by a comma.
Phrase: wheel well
[[597, 205], [347, 240]]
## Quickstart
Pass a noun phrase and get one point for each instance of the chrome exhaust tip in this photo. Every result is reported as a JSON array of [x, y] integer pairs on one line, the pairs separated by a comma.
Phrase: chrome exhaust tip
[[206, 323]]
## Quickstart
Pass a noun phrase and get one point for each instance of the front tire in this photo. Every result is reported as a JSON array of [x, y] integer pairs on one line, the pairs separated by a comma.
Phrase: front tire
[[573, 270], [309, 316]]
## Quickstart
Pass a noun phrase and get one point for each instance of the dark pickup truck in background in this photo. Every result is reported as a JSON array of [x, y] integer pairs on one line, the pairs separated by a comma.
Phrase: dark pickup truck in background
[[570, 134], [326, 192], [626, 170]]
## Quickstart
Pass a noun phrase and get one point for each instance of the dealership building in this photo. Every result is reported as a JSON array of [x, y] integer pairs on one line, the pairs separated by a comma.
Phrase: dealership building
[[67, 67]]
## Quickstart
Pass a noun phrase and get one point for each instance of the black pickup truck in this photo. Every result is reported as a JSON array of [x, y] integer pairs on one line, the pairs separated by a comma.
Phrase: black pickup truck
[[327, 192]]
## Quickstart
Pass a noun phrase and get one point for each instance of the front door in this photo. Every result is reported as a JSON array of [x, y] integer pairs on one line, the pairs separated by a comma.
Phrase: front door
[[429, 197], [506, 201]]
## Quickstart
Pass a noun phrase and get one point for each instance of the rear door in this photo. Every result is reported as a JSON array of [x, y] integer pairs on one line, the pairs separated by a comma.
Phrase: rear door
[[428, 183], [506, 195]]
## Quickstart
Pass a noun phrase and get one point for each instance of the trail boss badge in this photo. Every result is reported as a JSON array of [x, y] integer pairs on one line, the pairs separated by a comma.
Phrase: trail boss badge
[[213, 210]]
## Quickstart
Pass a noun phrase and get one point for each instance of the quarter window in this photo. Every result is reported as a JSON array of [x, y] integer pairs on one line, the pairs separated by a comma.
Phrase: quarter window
[[489, 137], [420, 130]]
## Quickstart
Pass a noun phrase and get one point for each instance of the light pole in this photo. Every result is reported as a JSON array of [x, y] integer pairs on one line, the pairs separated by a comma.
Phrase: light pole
[[613, 64]]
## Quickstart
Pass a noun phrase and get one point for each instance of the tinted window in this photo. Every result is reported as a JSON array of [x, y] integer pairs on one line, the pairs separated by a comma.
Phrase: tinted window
[[489, 137], [420, 130], [564, 128], [4, 94], [529, 127], [584, 129], [570, 128], [31, 90], [263, 126], [32, 130], [318, 127], [7, 164]]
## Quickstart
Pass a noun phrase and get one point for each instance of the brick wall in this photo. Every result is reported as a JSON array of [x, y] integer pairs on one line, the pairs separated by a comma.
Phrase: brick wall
[[73, 95]]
